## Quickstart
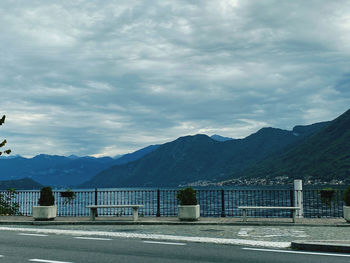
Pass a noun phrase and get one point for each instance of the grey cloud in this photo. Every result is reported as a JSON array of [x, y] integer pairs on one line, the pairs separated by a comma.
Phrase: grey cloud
[[125, 74]]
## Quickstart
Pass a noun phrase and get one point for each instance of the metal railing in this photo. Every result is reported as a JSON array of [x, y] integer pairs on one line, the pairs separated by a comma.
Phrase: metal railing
[[315, 207], [213, 203]]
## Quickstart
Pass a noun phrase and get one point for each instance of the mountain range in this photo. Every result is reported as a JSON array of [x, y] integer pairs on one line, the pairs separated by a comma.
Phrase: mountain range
[[324, 156], [200, 158], [320, 151], [61, 171]]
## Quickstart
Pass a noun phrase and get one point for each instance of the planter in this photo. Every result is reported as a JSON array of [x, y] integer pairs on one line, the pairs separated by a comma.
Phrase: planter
[[188, 212], [346, 211], [44, 212]]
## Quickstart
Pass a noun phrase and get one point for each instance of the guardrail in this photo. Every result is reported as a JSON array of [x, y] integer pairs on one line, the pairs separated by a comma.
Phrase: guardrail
[[213, 203]]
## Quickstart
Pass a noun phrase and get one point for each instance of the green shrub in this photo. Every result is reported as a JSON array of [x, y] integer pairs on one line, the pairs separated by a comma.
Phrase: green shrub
[[46, 197], [187, 196], [327, 195], [7, 204], [346, 196], [68, 196]]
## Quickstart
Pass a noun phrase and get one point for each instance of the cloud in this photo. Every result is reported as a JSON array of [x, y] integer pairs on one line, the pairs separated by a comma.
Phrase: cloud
[[95, 78]]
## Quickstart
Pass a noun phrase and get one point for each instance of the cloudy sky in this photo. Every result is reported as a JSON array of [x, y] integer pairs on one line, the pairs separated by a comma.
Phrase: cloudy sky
[[109, 77]]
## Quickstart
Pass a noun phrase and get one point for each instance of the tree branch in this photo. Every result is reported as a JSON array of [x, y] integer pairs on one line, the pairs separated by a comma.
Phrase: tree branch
[[2, 120]]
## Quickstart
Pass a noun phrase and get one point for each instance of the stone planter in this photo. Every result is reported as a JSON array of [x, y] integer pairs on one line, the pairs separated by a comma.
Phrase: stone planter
[[346, 211], [188, 212], [44, 212]]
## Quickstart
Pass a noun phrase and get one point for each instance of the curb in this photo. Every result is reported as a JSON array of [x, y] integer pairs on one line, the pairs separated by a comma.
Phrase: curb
[[325, 246]]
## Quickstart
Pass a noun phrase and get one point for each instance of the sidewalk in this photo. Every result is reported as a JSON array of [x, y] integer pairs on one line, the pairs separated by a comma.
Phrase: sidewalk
[[317, 234], [125, 220]]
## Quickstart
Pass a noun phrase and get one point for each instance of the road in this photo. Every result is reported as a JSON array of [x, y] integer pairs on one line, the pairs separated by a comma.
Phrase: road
[[17, 246]]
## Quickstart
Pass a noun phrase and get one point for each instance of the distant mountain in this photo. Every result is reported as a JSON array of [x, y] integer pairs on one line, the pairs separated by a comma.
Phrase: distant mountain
[[20, 184], [74, 157], [319, 150], [61, 171], [220, 138], [10, 156], [53, 170], [324, 156], [130, 157], [195, 158]]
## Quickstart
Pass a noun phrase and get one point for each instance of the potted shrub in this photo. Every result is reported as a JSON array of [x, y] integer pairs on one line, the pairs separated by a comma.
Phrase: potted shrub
[[46, 209], [68, 196], [327, 195], [346, 208], [188, 209]]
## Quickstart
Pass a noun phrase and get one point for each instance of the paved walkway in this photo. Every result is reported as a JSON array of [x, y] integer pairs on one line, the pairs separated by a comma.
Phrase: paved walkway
[[175, 220], [320, 234]]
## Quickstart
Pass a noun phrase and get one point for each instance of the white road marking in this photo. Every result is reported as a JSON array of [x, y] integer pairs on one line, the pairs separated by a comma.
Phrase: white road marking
[[297, 252], [35, 235], [164, 243], [268, 232], [243, 232], [1, 256], [93, 238], [228, 241], [47, 261]]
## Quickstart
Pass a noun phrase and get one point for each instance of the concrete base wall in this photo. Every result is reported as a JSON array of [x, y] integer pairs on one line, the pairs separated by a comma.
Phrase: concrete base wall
[[188, 212], [44, 212]]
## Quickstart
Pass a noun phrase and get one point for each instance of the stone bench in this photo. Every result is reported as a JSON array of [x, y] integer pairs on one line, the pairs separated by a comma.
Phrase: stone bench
[[291, 208], [93, 210]]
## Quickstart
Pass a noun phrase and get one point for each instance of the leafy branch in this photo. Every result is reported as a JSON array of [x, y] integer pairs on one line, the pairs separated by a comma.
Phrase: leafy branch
[[2, 144]]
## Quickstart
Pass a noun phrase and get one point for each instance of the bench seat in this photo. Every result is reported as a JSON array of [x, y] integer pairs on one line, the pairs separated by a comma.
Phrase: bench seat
[[291, 208], [93, 210]]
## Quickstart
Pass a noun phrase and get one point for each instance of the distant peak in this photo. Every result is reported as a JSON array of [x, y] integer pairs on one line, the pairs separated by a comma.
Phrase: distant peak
[[192, 137], [72, 156], [42, 155], [47, 156], [220, 138], [269, 130], [305, 129], [11, 156]]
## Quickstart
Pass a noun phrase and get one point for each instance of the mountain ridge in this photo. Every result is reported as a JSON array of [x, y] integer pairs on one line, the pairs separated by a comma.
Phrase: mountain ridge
[[61, 171], [198, 157], [324, 156], [20, 184]]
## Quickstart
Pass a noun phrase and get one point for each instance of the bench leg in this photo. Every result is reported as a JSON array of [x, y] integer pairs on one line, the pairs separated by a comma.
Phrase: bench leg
[[294, 215], [135, 213], [244, 215], [93, 212]]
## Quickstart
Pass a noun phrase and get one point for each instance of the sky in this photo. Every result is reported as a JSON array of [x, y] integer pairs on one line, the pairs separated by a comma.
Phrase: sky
[[104, 78]]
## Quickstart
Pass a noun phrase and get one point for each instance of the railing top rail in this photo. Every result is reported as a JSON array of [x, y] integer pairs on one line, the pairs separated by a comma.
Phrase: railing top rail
[[170, 190]]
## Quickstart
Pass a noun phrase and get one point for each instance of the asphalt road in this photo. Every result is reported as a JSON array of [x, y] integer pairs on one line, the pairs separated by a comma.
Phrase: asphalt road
[[16, 246]]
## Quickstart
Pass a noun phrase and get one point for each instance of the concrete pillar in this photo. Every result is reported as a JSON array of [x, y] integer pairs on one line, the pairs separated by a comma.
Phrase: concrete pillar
[[298, 197]]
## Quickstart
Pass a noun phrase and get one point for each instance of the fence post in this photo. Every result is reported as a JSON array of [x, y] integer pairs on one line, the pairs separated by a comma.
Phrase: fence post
[[291, 197], [223, 203], [158, 203], [298, 197], [96, 200]]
